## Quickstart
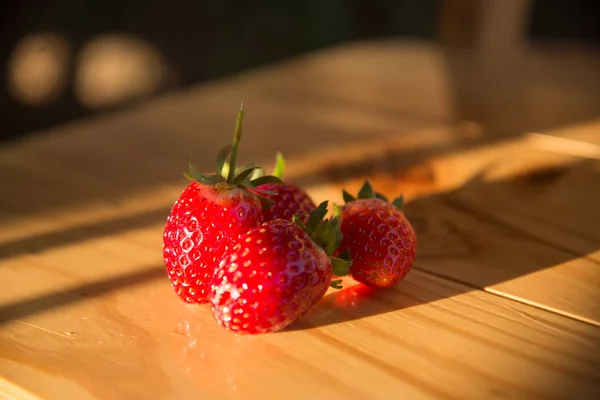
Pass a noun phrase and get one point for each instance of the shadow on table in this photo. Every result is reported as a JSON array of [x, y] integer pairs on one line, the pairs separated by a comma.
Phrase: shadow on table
[[45, 241], [52, 301], [442, 237]]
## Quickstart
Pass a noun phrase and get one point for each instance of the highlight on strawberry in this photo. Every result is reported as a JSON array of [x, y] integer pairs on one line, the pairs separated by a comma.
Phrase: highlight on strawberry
[[211, 213], [379, 238], [276, 272]]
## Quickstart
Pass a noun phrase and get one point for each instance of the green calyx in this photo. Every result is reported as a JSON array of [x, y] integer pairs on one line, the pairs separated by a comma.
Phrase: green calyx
[[367, 192], [326, 233], [228, 175]]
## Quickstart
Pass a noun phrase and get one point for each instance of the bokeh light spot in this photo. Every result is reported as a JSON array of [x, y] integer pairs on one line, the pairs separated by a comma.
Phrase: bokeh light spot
[[113, 69], [38, 69]]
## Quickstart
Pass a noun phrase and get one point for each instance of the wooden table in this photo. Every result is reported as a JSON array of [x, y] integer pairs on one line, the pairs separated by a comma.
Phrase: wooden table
[[503, 301]]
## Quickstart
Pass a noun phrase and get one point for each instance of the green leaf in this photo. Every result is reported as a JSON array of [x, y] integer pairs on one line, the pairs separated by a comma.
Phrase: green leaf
[[366, 192], [316, 217], [337, 240], [244, 174], [250, 164], [265, 179], [194, 172], [205, 179], [265, 201], [347, 196], [279, 168], [222, 158], [340, 267], [257, 173], [244, 167], [337, 211], [208, 179], [328, 235], [296, 220], [336, 284], [225, 170], [263, 192], [214, 179], [381, 196], [345, 255], [399, 202]]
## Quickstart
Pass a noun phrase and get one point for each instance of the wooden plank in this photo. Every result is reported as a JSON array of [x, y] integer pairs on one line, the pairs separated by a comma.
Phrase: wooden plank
[[426, 338]]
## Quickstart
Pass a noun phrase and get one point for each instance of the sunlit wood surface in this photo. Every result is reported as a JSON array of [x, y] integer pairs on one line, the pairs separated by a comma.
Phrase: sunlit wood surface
[[504, 193]]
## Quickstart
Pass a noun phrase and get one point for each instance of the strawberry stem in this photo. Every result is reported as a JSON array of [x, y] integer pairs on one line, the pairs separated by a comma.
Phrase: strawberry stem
[[228, 175], [236, 142]]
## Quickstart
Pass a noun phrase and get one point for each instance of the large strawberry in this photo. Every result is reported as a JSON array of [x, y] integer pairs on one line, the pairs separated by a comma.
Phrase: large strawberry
[[206, 220], [276, 273], [380, 239], [287, 198]]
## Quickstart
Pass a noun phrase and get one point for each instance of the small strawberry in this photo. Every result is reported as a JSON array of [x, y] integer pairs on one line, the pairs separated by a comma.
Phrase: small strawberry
[[288, 199], [276, 273], [381, 241], [207, 218]]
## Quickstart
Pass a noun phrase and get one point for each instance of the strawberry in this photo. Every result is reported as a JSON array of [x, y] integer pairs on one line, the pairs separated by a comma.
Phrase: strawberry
[[378, 236], [206, 220], [275, 273], [287, 198]]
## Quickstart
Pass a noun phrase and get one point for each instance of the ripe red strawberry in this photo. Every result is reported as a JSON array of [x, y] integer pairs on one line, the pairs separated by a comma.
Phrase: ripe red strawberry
[[275, 273], [207, 218], [287, 199], [380, 239]]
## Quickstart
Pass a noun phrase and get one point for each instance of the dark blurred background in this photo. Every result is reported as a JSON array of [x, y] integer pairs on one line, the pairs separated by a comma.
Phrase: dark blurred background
[[66, 59]]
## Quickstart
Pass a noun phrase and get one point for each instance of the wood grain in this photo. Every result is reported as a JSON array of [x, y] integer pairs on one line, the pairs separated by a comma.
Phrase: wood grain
[[427, 338]]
